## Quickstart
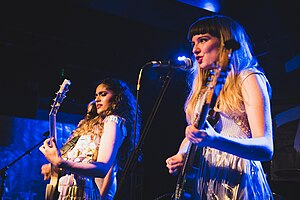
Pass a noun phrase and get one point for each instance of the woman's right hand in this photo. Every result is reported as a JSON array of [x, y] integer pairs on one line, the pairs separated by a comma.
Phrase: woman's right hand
[[174, 163], [51, 152]]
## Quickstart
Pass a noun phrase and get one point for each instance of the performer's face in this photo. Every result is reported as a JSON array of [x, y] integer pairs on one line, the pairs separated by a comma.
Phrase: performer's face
[[206, 50], [103, 98]]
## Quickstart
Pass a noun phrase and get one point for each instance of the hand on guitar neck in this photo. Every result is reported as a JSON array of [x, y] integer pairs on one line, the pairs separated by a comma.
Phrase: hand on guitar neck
[[49, 170], [186, 185]]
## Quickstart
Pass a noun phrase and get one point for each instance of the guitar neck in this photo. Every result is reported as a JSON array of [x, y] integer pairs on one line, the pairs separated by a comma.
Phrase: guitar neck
[[52, 126], [187, 175], [51, 189], [215, 84], [189, 157], [60, 95]]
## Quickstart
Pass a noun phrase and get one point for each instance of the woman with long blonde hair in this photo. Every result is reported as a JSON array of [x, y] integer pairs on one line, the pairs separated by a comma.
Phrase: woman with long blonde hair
[[241, 135]]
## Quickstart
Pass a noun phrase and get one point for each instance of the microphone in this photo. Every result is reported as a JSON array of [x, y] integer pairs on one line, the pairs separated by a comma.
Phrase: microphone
[[184, 64]]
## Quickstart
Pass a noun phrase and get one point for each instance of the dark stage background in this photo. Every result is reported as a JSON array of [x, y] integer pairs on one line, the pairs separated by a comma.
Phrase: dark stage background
[[43, 42]]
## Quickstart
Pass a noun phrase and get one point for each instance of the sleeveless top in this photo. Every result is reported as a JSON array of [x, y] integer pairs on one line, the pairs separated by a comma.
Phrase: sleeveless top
[[75, 187], [224, 176]]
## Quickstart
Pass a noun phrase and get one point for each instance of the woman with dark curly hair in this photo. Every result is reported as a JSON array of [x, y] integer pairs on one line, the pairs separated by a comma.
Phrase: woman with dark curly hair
[[99, 147]]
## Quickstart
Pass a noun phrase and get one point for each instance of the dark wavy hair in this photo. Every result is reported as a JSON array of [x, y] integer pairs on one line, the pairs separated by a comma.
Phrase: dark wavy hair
[[123, 104]]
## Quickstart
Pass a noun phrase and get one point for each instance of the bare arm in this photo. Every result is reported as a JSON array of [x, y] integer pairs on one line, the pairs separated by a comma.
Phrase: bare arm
[[257, 105], [174, 163], [109, 145]]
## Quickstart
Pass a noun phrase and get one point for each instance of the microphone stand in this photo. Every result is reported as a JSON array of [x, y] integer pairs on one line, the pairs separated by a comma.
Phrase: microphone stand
[[4, 169], [131, 162]]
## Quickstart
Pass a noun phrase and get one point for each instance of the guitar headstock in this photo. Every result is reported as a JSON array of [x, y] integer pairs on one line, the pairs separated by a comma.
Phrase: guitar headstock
[[60, 95], [219, 73], [225, 54]]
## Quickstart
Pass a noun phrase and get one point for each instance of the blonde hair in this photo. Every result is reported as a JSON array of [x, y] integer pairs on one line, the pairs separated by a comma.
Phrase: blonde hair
[[230, 99]]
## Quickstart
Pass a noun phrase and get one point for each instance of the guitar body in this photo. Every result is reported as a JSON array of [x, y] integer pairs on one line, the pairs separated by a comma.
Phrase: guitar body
[[51, 192], [186, 185]]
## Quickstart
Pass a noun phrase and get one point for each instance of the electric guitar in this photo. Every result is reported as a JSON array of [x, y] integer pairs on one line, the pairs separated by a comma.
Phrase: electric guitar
[[51, 188], [185, 186]]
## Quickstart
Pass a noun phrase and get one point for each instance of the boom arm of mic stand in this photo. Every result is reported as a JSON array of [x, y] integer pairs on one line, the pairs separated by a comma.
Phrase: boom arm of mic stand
[[131, 162], [4, 169]]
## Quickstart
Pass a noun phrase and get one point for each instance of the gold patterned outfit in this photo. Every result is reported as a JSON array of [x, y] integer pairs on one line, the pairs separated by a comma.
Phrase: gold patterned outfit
[[75, 187]]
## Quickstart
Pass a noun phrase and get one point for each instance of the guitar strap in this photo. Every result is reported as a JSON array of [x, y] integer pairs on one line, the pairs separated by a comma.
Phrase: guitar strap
[[243, 123], [213, 117], [69, 145]]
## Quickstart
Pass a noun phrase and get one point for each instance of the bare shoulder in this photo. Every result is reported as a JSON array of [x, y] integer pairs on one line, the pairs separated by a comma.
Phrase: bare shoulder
[[254, 89], [114, 118]]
